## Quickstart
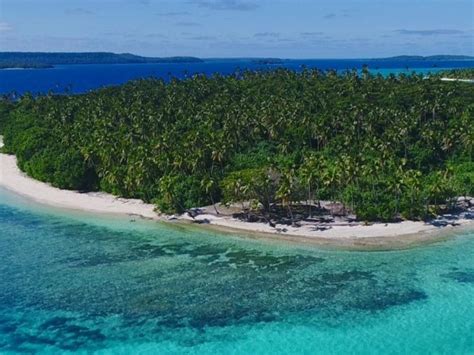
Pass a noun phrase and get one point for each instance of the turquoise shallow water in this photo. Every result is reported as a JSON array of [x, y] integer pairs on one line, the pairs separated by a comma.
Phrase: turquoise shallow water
[[77, 283]]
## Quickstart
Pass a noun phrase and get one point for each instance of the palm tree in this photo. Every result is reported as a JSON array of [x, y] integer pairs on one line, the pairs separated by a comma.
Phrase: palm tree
[[209, 185]]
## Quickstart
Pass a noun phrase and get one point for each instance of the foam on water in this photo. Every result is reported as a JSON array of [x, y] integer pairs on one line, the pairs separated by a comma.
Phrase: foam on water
[[77, 283]]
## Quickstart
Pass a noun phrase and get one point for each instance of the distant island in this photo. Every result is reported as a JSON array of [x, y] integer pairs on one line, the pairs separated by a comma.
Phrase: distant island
[[25, 66], [267, 61], [431, 57], [43, 60]]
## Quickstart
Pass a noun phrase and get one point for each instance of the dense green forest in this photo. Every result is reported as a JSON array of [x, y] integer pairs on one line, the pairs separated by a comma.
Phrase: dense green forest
[[47, 60], [387, 147]]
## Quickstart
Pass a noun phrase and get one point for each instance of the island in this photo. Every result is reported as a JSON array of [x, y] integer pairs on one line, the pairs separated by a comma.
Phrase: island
[[311, 155], [268, 61], [21, 65], [440, 57], [38, 60]]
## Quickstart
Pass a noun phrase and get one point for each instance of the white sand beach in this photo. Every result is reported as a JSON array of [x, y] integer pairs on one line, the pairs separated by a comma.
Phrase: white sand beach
[[352, 230], [471, 81], [14, 180], [355, 235]]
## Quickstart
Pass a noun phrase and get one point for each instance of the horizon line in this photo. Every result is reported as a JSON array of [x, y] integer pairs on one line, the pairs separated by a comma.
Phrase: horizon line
[[471, 56]]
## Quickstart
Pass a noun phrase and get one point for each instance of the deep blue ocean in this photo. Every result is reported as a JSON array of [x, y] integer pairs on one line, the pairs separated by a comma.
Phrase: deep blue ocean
[[79, 283], [82, 78]]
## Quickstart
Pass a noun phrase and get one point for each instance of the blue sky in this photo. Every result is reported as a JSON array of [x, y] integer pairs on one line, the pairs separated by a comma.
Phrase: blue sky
[[240, 28]]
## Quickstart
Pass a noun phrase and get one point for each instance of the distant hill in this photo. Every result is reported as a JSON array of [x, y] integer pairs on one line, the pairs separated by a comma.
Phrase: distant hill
[[45, 60], [431, 57]]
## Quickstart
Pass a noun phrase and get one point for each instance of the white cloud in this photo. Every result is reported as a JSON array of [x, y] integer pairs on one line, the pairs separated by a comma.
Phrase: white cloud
[[232, 5], [435, 32]]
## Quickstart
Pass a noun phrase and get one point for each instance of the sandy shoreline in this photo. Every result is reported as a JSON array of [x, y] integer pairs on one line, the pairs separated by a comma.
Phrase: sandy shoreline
[[352, 235], [356, 236], [18, 182]]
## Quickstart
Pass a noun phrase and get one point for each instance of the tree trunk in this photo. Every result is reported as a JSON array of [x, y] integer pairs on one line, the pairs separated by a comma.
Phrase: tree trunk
[[213, 204], [291, 214], [310, 213]]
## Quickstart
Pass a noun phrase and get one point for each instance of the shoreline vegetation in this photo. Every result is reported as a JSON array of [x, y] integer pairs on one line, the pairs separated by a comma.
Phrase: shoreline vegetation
[[315, 155], [334, 232]]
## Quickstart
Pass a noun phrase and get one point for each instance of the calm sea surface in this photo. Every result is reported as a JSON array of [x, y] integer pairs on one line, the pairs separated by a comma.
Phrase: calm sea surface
[[77, 283], [82, 78]]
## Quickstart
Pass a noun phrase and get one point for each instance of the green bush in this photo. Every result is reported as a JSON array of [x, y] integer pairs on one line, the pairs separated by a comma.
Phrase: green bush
[[463, 178], [179, 193]]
